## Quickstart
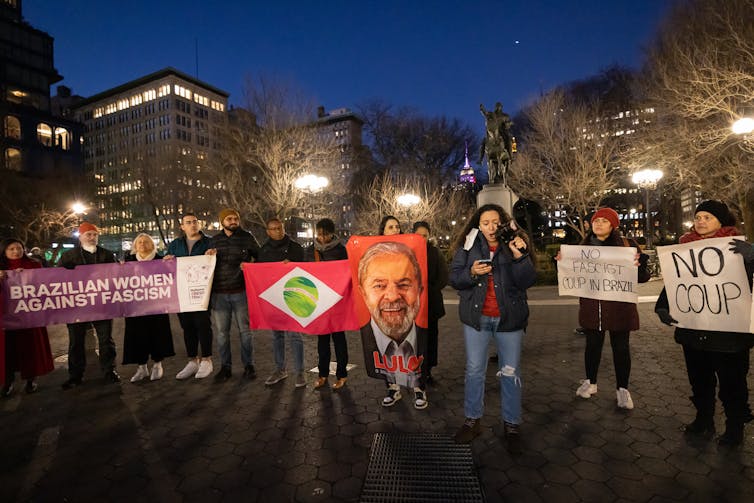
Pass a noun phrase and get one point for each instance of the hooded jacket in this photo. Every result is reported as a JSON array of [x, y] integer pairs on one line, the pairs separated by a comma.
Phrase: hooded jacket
[[511, 279]]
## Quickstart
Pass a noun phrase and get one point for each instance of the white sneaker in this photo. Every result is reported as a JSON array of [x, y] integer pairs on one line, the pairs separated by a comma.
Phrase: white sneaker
[[156, 372], [587, 389], [205, 369], [141, 372], [188, 371], [624, 399]]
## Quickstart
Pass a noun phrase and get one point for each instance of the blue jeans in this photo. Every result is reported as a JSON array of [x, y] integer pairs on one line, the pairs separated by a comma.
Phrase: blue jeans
[[297, 346], [509, 356], [227, 306]]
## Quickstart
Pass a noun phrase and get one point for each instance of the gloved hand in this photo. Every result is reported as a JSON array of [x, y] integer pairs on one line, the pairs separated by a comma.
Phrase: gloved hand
[[743, 248], [665, 317]]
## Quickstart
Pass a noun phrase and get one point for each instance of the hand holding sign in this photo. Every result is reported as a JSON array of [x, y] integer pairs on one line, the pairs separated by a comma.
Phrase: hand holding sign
[[598, 272], [707, 285]]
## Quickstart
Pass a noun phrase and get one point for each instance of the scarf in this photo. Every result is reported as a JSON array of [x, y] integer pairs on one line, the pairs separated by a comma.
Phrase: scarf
[[722, 232], [150, 256]]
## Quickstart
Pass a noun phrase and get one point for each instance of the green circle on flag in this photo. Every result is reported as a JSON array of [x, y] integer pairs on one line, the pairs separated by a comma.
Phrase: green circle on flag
[[300, 295]]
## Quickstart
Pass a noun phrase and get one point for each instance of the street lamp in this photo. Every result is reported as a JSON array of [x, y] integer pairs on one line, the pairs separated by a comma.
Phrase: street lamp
[[408, 201], [311, 184], [78, 208], [744, 125], [647, 179]]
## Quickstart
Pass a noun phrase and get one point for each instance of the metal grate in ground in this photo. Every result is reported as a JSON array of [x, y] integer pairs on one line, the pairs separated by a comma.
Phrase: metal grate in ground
[[414, 467]]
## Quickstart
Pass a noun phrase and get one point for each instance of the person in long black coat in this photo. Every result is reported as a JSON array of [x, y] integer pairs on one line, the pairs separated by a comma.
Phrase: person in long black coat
[[148, 335], [437, 279]]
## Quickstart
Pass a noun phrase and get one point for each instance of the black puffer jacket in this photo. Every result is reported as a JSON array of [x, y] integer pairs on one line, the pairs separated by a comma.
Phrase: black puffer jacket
[[231, 252], [282, 249]]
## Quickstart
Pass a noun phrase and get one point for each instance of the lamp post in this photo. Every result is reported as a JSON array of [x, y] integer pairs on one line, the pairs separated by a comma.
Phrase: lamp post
[[647, 179], [311, 184], [744, 125], [408, 201]]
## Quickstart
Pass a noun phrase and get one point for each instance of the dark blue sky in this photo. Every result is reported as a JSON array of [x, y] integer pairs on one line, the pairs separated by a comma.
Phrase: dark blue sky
[[442, 57]]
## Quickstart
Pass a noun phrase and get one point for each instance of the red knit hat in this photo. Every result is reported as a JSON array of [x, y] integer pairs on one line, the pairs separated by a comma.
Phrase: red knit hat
[[608, 214], [86, 227]]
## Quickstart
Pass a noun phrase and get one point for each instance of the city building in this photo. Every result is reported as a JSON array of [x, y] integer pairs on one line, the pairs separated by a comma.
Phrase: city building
[[38, 147], [346, 128], [146, 145]]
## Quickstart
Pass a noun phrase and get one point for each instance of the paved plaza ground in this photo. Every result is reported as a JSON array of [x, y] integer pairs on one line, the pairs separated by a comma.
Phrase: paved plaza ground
[[199, 441]]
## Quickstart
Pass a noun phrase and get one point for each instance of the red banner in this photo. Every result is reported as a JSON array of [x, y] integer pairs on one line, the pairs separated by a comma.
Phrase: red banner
[[309, 297]]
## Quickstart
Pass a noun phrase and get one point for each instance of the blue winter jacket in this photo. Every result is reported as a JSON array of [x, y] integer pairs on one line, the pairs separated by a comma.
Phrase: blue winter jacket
[[179, 248], [511, 279]]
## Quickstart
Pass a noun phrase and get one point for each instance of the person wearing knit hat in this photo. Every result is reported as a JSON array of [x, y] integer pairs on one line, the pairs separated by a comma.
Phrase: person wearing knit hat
[[89, 252], [599, 316], [608, 214], [225, 212], [719, 210], [87, 227], [712, 357], [233, 246]]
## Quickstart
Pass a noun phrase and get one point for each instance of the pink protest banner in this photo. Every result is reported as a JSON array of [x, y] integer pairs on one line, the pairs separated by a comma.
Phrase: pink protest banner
[[308, 297], [40, 297]]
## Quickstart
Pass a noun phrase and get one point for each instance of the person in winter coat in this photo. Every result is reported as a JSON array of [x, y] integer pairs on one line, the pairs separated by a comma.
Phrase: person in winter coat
[[147, 335], [327, 246], [27, 350], [86, 253], [233, 246], [599, 316], [197, 325], [279, 247], [437, 278], [492, 276], [715, 357]]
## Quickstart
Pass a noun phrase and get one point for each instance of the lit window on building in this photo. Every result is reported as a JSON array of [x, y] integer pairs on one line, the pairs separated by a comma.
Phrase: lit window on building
[[44, 134], [163, 90], [62, 138], [12, 127], [13, 159]]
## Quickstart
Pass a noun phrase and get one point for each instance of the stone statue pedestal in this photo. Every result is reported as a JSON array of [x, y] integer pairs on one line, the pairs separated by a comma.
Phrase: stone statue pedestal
[[497, 193]]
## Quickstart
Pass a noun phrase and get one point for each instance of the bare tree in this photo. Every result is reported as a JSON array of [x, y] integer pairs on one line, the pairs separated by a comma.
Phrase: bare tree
[[42, 215], [700, 78], [405, 141], [268, 145], [440, 206], [564, 158]]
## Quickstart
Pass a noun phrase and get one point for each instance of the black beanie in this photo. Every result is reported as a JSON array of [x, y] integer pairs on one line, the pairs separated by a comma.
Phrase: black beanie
[[719, 209]]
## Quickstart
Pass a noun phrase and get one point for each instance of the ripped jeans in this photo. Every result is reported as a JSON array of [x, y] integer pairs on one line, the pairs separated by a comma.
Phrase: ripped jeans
[[509, 356]]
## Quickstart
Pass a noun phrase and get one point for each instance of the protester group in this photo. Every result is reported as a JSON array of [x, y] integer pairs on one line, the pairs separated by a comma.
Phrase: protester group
[[492, 267]]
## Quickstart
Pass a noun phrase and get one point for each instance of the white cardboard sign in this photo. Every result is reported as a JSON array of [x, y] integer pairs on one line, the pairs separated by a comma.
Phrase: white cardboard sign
[[598, 272], [707, 285]]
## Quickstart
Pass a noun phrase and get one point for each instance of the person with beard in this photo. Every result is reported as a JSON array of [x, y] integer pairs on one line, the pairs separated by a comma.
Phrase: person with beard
[[232, 246], [327, 246], [88, 252], [715, 357], [27, 350], [390, 282], [492, 278], [279, 247]]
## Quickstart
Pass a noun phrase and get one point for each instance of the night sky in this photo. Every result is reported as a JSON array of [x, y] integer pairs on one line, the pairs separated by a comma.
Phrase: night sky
[[441, 57]]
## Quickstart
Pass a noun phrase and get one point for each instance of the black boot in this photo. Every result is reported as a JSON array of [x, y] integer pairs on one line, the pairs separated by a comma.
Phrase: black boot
[[513, 438], [734, 434], [702, 427]]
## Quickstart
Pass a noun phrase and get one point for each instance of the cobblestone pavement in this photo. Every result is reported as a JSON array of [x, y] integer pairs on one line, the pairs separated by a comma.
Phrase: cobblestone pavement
[[243, 441]]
